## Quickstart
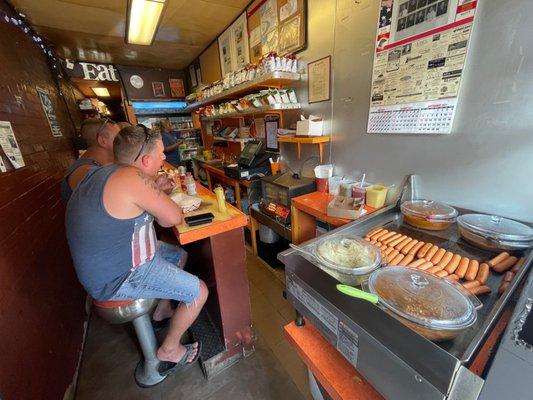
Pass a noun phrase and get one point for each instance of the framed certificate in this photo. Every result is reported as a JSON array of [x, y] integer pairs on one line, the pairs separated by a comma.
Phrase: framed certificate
[[158, 89], [319, 80]]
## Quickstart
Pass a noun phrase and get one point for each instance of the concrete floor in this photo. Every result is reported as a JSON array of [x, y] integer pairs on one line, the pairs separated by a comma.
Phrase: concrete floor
[[273, 371]]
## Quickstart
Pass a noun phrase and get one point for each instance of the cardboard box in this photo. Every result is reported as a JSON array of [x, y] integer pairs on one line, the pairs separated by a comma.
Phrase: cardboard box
[[309, 127]]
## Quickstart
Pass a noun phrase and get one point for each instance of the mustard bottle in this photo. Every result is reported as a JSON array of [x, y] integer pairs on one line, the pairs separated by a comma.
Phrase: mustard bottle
[[219, 193]]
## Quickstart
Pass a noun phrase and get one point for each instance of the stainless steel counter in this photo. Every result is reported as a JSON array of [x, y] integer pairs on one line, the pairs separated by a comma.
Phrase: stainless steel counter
[[397, 361]]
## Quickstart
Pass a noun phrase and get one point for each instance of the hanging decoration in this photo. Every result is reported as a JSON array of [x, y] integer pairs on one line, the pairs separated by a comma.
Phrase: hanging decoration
[[19, 20]]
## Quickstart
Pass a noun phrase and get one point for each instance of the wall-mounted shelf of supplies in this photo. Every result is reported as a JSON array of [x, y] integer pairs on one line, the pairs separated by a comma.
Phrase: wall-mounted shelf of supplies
[[255, 110], [272, 79], [299, 140], [239, 140]]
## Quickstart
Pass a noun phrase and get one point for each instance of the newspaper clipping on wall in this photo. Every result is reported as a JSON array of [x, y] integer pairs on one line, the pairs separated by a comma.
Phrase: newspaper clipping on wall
[[8, 143], [48, 108], [419, 59]]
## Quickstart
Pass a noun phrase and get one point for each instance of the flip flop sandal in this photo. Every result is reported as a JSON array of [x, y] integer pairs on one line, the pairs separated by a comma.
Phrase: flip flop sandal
[[158, 325], [167, 367]]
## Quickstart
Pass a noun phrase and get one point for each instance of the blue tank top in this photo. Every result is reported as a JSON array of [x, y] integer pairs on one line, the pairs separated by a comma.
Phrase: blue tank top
[[66, 191], [105, 249]]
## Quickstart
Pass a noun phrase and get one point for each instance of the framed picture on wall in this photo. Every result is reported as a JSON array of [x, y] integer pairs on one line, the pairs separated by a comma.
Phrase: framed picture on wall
[[192, 76], [319, 80], [233, 46], [239, 38], [176, 88], [225, 51], [199, 75], [159, 89], [276, 25]]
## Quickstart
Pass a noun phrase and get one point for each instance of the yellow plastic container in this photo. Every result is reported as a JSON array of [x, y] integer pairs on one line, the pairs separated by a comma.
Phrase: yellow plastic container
[[208, 155], [375, 196]]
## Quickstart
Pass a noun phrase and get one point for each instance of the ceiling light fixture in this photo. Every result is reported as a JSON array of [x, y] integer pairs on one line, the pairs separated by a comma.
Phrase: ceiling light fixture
[[101, 91], [144, 17]]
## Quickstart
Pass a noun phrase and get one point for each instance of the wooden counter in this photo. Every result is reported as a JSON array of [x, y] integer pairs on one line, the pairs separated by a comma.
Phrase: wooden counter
[[237, 184], [338, 377], [217, 255], [222, 222], [307, 209]]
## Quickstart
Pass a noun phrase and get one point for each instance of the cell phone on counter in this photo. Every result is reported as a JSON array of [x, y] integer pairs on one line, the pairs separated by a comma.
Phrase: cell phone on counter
[[199, 219]]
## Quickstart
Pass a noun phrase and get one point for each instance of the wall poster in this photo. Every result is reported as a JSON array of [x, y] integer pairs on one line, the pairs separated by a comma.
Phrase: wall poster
[[159, 89], [239, 31], [224, 48], [199, 75], [233, 46], [176, 88], [192, 76], [8, 143], [48, 108], [419, 58], [319, 80], [276, 25]]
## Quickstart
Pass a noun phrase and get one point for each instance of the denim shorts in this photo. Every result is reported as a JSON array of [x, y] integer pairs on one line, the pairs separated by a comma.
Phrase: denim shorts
[[161, 278]]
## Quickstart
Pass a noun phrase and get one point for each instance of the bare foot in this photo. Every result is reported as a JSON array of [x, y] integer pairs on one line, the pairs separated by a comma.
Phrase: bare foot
[[177, 354]]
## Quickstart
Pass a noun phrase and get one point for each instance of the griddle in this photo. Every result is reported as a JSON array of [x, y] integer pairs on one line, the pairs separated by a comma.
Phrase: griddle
[[398, 362]]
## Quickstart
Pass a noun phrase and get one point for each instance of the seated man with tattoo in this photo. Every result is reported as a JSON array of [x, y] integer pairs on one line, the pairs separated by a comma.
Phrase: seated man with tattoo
[[110, 230]]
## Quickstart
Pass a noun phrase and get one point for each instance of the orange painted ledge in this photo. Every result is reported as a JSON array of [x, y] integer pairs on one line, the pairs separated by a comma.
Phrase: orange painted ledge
[[340, 379], [316, 204], [186, 234]]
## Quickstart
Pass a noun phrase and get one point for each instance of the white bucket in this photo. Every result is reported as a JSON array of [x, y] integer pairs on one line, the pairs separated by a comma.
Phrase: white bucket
[[267, 235]]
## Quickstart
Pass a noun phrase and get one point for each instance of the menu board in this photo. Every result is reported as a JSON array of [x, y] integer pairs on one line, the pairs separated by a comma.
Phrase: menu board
[[419, 59]]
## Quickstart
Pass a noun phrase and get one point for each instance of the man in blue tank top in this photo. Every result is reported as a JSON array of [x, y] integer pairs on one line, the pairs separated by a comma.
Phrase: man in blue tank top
[[109, 226], [99, 135]]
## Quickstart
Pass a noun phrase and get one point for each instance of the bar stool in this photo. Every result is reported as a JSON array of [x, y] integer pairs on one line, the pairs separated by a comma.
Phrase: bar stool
[[136, 311]]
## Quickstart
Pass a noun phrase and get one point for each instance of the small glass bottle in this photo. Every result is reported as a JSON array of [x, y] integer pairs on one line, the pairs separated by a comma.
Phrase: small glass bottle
[[190, 184]]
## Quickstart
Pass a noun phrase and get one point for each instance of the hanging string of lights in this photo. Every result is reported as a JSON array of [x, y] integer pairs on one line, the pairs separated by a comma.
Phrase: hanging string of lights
[[19, 20]]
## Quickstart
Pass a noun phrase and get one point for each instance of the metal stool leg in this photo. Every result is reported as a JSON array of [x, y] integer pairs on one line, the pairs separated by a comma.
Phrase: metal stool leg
[[146, 373]]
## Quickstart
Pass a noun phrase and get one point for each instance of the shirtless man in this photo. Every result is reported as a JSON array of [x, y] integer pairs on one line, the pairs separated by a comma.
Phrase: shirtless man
[[110, 230], [99, 135]]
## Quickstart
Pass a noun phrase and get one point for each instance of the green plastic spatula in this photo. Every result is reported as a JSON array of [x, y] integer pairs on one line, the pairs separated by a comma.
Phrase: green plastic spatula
[[358, 293]]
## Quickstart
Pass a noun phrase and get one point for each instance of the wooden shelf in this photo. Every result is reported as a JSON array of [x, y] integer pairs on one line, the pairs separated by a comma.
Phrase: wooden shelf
[[237, 140], [299, 140], [273, 79], [186, 130], [256, 110], [303, 139]]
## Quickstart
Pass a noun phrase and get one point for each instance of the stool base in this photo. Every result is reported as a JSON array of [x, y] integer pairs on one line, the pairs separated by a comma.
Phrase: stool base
[[147, 376]]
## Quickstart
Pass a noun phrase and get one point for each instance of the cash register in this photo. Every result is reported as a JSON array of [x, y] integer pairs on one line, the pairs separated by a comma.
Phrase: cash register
[[253, 162]]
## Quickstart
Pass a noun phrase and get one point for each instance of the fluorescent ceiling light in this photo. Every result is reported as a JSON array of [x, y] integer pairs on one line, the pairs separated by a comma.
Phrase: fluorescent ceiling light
[[144, 17], [101, 91]]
